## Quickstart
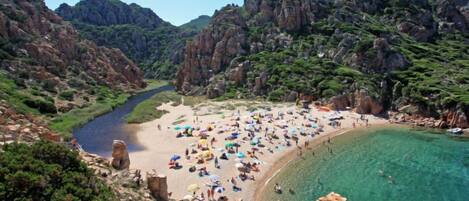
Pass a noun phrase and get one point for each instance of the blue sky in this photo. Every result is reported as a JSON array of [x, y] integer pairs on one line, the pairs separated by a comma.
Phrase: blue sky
[[175, 11]]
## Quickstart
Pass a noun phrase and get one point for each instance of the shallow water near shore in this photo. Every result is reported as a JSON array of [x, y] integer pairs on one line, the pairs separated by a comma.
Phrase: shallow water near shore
[[380, 164]]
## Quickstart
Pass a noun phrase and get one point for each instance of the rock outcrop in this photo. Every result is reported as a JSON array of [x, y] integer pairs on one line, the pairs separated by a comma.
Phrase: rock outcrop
[[347, 53], [120, 155], [360, 100], [126, 184], [16, 127], [40, 51], [104, 13], [158, 186]]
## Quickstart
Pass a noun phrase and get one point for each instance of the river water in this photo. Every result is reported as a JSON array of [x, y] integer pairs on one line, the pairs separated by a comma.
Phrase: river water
[[96, 136], [386, 164]]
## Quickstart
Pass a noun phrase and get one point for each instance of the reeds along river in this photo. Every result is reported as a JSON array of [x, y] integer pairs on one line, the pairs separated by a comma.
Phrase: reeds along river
[[378, 165], [96, 136]]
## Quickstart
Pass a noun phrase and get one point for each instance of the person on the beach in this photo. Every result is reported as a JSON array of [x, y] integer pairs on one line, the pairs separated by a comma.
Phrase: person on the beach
[[159, 127], [212, 141], [216, 162], [277, 188], [209, 194]]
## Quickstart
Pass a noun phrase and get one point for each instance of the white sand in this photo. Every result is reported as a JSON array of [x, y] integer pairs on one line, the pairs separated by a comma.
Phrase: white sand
[[161, 145]]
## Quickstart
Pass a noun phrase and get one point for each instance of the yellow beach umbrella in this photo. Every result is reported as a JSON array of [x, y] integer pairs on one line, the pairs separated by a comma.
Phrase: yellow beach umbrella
[[193, 188], [203, 142]]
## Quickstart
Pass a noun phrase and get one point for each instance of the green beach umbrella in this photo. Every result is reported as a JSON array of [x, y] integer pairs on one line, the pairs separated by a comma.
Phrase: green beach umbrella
[[177, 127], [229, 144]]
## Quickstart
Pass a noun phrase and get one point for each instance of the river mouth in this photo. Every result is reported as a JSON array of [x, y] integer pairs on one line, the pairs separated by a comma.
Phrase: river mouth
[[97, 135], [379, 164]]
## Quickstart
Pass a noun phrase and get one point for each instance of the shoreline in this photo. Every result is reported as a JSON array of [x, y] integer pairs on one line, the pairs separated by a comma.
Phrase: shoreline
[[160, 144], [291, 156]]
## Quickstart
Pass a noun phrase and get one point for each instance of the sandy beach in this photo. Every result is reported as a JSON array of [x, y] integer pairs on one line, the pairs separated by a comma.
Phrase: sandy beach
[[270, 155]]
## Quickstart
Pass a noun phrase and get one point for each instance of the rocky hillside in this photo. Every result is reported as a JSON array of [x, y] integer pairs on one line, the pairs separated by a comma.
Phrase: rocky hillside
[[197, 24], [406, 56], [46, 68], [156, 45]]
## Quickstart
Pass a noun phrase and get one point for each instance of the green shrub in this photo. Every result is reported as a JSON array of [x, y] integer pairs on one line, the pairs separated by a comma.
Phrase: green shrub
[[43, 106], [67, 95], [47, 171]]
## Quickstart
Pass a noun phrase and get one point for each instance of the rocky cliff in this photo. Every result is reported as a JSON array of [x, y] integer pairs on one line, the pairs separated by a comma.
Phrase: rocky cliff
[[49, 65], [156, 45], [106, 13], [370, 55]]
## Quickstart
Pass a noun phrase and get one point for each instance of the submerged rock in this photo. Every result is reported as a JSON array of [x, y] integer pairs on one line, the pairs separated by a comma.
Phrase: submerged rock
[[332, 197]]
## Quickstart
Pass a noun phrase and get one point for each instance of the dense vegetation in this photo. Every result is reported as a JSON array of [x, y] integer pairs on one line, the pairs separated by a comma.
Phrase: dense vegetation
[[154, 50], [197, 24], [106, 100], [437, 74], [47, 171], [146, 111]]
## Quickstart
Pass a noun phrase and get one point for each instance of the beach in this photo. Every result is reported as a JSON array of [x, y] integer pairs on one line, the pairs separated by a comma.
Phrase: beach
[[220, 120]]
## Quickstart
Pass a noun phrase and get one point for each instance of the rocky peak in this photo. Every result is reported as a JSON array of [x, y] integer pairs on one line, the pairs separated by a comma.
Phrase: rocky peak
[[40, 50], [211, 51], [110, 12]]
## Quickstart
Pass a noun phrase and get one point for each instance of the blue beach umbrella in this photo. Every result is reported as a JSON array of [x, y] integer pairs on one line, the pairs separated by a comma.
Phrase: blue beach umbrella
[[219, 189], [178, 127], [175, 157], [214, 178], [187, 127], [240, 155]]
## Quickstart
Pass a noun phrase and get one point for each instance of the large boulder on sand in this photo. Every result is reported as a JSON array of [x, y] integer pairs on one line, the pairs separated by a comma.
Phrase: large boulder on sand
[[120, 155], [158, 185]]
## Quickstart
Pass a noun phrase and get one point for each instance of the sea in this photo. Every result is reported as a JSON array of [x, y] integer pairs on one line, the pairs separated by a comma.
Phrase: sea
[[379, 164]]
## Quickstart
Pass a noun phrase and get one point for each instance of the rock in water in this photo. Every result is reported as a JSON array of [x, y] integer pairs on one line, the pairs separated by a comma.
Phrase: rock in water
[[158, 185], [120, 156], [332, 197]]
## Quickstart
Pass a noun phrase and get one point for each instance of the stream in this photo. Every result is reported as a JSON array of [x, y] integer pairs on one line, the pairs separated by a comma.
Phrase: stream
[[97, 135]]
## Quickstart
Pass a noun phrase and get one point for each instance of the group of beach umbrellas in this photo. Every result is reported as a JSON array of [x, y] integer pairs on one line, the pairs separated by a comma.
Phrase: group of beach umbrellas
[[179, 127]]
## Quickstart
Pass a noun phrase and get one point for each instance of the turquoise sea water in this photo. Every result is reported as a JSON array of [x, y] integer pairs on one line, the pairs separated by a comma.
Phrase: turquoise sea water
[[377, 165]]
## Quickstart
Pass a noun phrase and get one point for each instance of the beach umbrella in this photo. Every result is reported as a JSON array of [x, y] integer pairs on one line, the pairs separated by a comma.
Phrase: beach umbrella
[[239, 165], [193, 188], [187, 127], [178, 127], [175, 157], [229, 144], [240, 155], [205, 154], [203, 142], [219, 189], [255, 141], [214, 178], [293, 130]]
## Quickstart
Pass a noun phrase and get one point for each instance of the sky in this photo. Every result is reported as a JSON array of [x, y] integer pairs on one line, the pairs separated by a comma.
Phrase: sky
[[177, 12]]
